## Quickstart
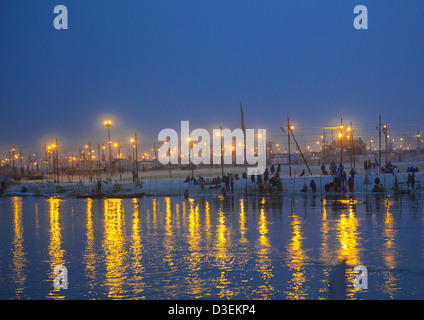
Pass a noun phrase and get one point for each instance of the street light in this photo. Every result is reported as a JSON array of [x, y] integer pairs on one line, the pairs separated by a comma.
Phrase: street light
[[290, 131], [13, 159], [386, 136], [117, 145], [133, 155], [108, 123], [55, 152], [341, 140]]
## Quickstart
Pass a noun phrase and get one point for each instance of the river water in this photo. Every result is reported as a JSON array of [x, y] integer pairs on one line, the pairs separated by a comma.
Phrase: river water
[[211, 247]]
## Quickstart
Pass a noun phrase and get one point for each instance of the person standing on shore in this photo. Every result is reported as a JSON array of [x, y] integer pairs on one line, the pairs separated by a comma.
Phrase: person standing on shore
[[313, 185], [376, 166], [232, 183], [227, 182], [323, 169], [266, 175], [412, 181], [350, 182]]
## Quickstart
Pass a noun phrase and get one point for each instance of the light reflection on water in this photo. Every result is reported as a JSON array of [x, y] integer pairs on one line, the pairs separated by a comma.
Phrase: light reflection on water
[[207, 247]]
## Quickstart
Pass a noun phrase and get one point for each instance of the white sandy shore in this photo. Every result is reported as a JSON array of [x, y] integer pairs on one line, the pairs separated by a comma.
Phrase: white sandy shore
[[158, 182]]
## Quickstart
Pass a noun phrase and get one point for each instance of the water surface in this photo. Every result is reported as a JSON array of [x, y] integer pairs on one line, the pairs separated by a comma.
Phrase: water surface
[[210, 247]]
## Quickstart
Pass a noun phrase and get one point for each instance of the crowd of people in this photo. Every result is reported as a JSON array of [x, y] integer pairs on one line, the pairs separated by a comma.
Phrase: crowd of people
[[340, 182], [270, 182]]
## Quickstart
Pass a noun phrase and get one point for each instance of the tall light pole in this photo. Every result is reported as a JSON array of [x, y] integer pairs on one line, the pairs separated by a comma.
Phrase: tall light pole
[[352, 144], [323, 147], [379, 139], [385, 135], [108, 124], [289, 130], [56, 146], [91, 161], [55, 153], [99, 165], [119, 159], [13, 159], [350, 138], [136, 155], [222, 151], [341, 140], [133, 155]]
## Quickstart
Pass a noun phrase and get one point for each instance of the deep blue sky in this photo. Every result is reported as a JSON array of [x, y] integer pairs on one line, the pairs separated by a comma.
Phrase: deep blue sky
[[148, 64]]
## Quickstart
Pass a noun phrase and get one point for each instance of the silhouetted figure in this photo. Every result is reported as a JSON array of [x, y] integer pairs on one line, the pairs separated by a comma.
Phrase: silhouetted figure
[[313, 185]]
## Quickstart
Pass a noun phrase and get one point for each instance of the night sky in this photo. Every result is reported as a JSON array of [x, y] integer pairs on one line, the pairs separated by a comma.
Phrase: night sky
[[148, 64]]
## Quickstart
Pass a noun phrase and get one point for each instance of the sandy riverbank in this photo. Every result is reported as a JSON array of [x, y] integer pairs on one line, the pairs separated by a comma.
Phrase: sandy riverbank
[[165, 183]]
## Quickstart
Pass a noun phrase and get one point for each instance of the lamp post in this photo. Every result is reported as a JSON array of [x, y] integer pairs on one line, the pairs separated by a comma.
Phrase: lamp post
[[385, 136], [323, 147], [13, 159], [108, 123], [55, 153], [290, 132], [90, 160], [133, 155], [349, 137], [117, 145], [341, 140]]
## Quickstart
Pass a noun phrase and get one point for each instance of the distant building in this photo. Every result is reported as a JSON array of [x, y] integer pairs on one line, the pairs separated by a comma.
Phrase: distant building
[[357, 145]]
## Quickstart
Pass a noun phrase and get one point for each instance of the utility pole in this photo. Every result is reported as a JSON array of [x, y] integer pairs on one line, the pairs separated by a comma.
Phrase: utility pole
[[136, 155], [46, 161], [323, 147], [100, 167], [341, 140], [352, 143], [288, 137], [108, 123], [57, 160], [222, 153], [13, 159], [379, 140], [91, 160], [385, 135], [119, 154]]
